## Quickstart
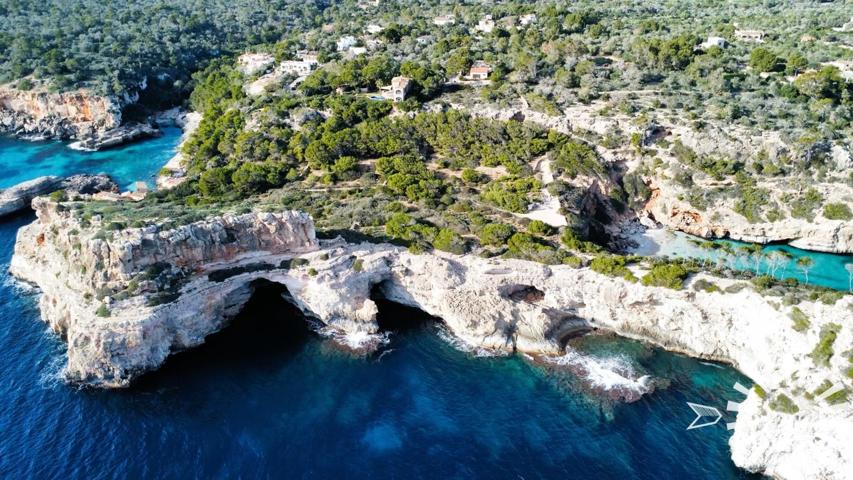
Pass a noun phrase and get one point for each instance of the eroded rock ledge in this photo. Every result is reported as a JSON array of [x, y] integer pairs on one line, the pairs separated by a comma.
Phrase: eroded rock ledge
[[164, 291]]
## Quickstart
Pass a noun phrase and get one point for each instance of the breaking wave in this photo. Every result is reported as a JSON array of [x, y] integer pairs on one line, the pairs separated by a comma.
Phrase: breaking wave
[[614, 377]]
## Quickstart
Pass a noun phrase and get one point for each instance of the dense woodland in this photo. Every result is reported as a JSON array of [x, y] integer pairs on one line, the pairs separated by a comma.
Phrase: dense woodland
[[115, 46], [429, 176]]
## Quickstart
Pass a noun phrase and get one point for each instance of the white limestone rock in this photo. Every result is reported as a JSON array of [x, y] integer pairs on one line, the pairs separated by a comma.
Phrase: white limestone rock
[[500, 305]]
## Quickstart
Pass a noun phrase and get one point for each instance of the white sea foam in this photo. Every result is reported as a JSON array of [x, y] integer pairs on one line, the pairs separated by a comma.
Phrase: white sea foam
[[53, 374], [463, 346], [357, 341]]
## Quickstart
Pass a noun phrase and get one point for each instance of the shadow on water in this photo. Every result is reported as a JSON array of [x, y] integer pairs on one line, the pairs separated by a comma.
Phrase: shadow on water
[[266, 333]]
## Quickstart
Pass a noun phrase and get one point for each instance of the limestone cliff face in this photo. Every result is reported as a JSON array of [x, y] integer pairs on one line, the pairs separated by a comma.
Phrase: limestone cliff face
[[496, 304], [818, 233], [74, 114]]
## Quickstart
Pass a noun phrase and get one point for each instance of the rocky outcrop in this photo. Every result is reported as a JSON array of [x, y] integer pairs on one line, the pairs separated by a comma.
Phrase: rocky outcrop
[[86, 184], [74, 114], [817, 234], [98, 293], [130, 132], [18, 197]]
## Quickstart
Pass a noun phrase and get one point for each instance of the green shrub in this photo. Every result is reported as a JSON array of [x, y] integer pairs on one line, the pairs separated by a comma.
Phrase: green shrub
[[823, 352], [801, 320], [103, 311], [495, 234], [783, 403], [612, 265], [58, 196], [703, 285], [669, 275], [572, 242], [358, 265], [837, 211], [469, 175], [511, 193], [762, 394], [527, 247], [538, 227], [805, 206], [572, 261], [449, 241], [312, 271]]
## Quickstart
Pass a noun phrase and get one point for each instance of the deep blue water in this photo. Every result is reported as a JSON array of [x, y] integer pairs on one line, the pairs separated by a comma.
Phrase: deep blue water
[[267, 398]]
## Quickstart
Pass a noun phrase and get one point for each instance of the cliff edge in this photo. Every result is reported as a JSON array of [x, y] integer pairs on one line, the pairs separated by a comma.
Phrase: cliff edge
[[125, 300]]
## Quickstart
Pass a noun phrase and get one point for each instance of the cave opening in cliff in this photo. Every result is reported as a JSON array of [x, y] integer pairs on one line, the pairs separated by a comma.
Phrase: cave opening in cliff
[[267, 332], [395, 317]]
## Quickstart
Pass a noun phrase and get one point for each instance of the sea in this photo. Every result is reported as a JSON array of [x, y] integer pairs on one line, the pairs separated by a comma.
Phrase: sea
[[268, 398]]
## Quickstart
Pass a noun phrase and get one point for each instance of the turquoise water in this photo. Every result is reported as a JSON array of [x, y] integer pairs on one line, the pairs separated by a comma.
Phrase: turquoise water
[[268, 398], [828, 269], [140, 161]]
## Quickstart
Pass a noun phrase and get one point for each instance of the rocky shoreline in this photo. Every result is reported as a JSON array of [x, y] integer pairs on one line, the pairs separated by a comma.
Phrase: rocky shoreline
[[19, 197], [133, 298], [94, 122]]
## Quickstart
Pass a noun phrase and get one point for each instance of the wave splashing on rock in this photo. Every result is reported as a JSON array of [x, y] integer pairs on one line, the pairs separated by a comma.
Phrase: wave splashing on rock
[[612, 377]]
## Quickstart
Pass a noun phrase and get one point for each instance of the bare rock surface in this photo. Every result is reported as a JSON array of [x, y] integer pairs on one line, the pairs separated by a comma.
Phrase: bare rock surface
[[17, 198], [74, 114], [127, 133], [125, 302]]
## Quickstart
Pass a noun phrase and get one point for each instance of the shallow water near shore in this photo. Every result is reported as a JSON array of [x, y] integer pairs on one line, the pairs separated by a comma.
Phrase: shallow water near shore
[[268, 398], [828, 269], [139, 161]]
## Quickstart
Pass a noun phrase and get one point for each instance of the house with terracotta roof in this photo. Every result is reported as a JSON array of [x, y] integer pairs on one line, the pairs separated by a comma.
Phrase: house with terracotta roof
[[479, 71]]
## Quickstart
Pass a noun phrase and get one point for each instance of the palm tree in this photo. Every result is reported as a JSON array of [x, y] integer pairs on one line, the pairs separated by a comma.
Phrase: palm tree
[[805, 264], [774, 260]]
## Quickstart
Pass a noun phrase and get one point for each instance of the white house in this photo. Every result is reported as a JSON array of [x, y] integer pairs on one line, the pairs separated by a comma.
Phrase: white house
[[309, 56], [252, 63], [479, 71], [345, 42], [718, 42], [373, 28], [486, 24], [443, 20], [296, 67], [398, 89], [366, 4], [355, 51]]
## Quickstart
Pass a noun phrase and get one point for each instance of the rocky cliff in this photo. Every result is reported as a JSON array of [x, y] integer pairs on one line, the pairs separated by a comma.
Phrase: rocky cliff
[[74, 114], [18, 197], [669, 204], [127, 301]]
